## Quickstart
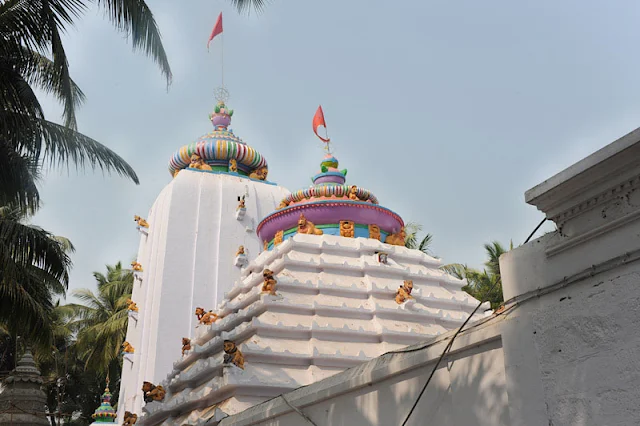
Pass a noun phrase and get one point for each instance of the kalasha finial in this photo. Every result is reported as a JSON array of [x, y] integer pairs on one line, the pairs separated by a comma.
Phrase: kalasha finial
[[221, 116]]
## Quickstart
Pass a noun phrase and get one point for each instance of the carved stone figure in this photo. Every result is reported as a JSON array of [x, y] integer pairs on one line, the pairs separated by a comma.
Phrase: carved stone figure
[[240, 251], [306, 227], [232, 354], [186, 345], [404, 292], [176, 172], [199, 313], [347, 229], [233, 165], [127, 348], [353, 193], [240, 203], [374, 232], [130, 418], [279, 237], [136, 266], [265, 246], [260, 173], [146, 388], [141, 222], [396, 239], [156, 394], [198, 163], [208, 318], [269, 284], [131, 305], [283, 204]]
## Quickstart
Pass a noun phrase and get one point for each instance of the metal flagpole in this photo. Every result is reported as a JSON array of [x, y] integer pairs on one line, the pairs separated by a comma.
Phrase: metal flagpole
[[222, 57]]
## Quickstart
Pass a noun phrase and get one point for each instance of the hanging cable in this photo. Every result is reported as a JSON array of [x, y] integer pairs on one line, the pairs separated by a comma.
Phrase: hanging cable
[[453, 338]]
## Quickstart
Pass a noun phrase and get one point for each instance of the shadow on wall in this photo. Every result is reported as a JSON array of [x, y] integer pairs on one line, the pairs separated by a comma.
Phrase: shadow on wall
[[468, 389]]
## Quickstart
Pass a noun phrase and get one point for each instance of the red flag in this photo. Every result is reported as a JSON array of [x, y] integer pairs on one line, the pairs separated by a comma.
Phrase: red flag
[[217, 29], [318, 120]]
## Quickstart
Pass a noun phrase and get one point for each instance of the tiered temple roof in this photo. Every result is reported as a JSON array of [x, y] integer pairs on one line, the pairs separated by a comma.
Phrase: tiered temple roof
[[334, 305]]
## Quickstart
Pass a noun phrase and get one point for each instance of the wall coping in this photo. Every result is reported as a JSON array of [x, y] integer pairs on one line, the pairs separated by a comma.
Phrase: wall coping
[[590, 181]]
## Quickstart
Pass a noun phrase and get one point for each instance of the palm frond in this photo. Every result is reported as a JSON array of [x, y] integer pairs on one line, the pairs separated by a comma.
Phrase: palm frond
[[247, 5], [61, 145], [136, 19]]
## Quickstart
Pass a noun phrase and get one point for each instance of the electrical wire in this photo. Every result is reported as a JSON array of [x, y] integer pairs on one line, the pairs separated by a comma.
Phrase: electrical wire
[[534, 231], [444, 353], [453, 338]]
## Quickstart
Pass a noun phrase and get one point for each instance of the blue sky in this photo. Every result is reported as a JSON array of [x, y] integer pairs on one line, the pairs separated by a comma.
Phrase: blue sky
[[447, 110]]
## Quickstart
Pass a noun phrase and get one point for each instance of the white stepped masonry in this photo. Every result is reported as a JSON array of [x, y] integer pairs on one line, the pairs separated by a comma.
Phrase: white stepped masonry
[[334, 309], [187, 256]]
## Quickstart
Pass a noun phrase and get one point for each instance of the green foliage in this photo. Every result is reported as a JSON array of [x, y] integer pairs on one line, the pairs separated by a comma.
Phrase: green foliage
[[485, 285], [86, 347], [411, 241]]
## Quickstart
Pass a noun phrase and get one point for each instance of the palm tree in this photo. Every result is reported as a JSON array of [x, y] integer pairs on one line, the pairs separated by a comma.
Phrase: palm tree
[[33, 265], [102, 320], [34, 268], [485, 285], [411, 238], [30, 32]]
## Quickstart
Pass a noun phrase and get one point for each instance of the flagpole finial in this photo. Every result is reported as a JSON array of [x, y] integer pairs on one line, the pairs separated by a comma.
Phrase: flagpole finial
[[221, 94]]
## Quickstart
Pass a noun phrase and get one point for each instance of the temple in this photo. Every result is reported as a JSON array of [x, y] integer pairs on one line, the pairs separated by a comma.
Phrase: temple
[[197, 236], [297, 288], [105, 414]]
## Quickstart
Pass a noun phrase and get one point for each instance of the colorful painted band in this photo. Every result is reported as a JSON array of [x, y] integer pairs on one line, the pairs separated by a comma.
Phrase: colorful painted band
[[217, 149], [329, 191], [327, 212]]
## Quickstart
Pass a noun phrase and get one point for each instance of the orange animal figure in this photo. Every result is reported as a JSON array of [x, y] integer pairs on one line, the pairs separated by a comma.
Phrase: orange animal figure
[[198, 163], [240, 251], [269, 284], [208, 318], [353, 193], [157, 393], [396, 239], [131, 305], [146, 388], [347, 229], [141, 222], [136, 266], [232, 354], [186, 345], [306, 227], [127, 348], [233, 165], [260, 174], [130, 418], [283, 204], [240, 203], [199, 313], [404, 292]]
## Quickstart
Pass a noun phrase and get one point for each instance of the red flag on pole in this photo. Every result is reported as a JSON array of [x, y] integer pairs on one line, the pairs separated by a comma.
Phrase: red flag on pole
[[217, 29], [318, 120]]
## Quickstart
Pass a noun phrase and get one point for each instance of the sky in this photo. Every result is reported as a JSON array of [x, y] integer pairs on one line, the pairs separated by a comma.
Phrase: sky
[[447, 110]]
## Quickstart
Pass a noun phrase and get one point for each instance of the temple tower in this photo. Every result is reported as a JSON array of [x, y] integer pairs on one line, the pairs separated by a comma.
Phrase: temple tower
[[335, 287], [22, 402], [197, 236], [105, 414]]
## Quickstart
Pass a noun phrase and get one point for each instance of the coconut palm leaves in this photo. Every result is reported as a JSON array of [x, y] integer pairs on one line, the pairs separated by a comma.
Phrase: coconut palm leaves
[[102, 318], [33, 269], [485, 285], [411, 238]]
